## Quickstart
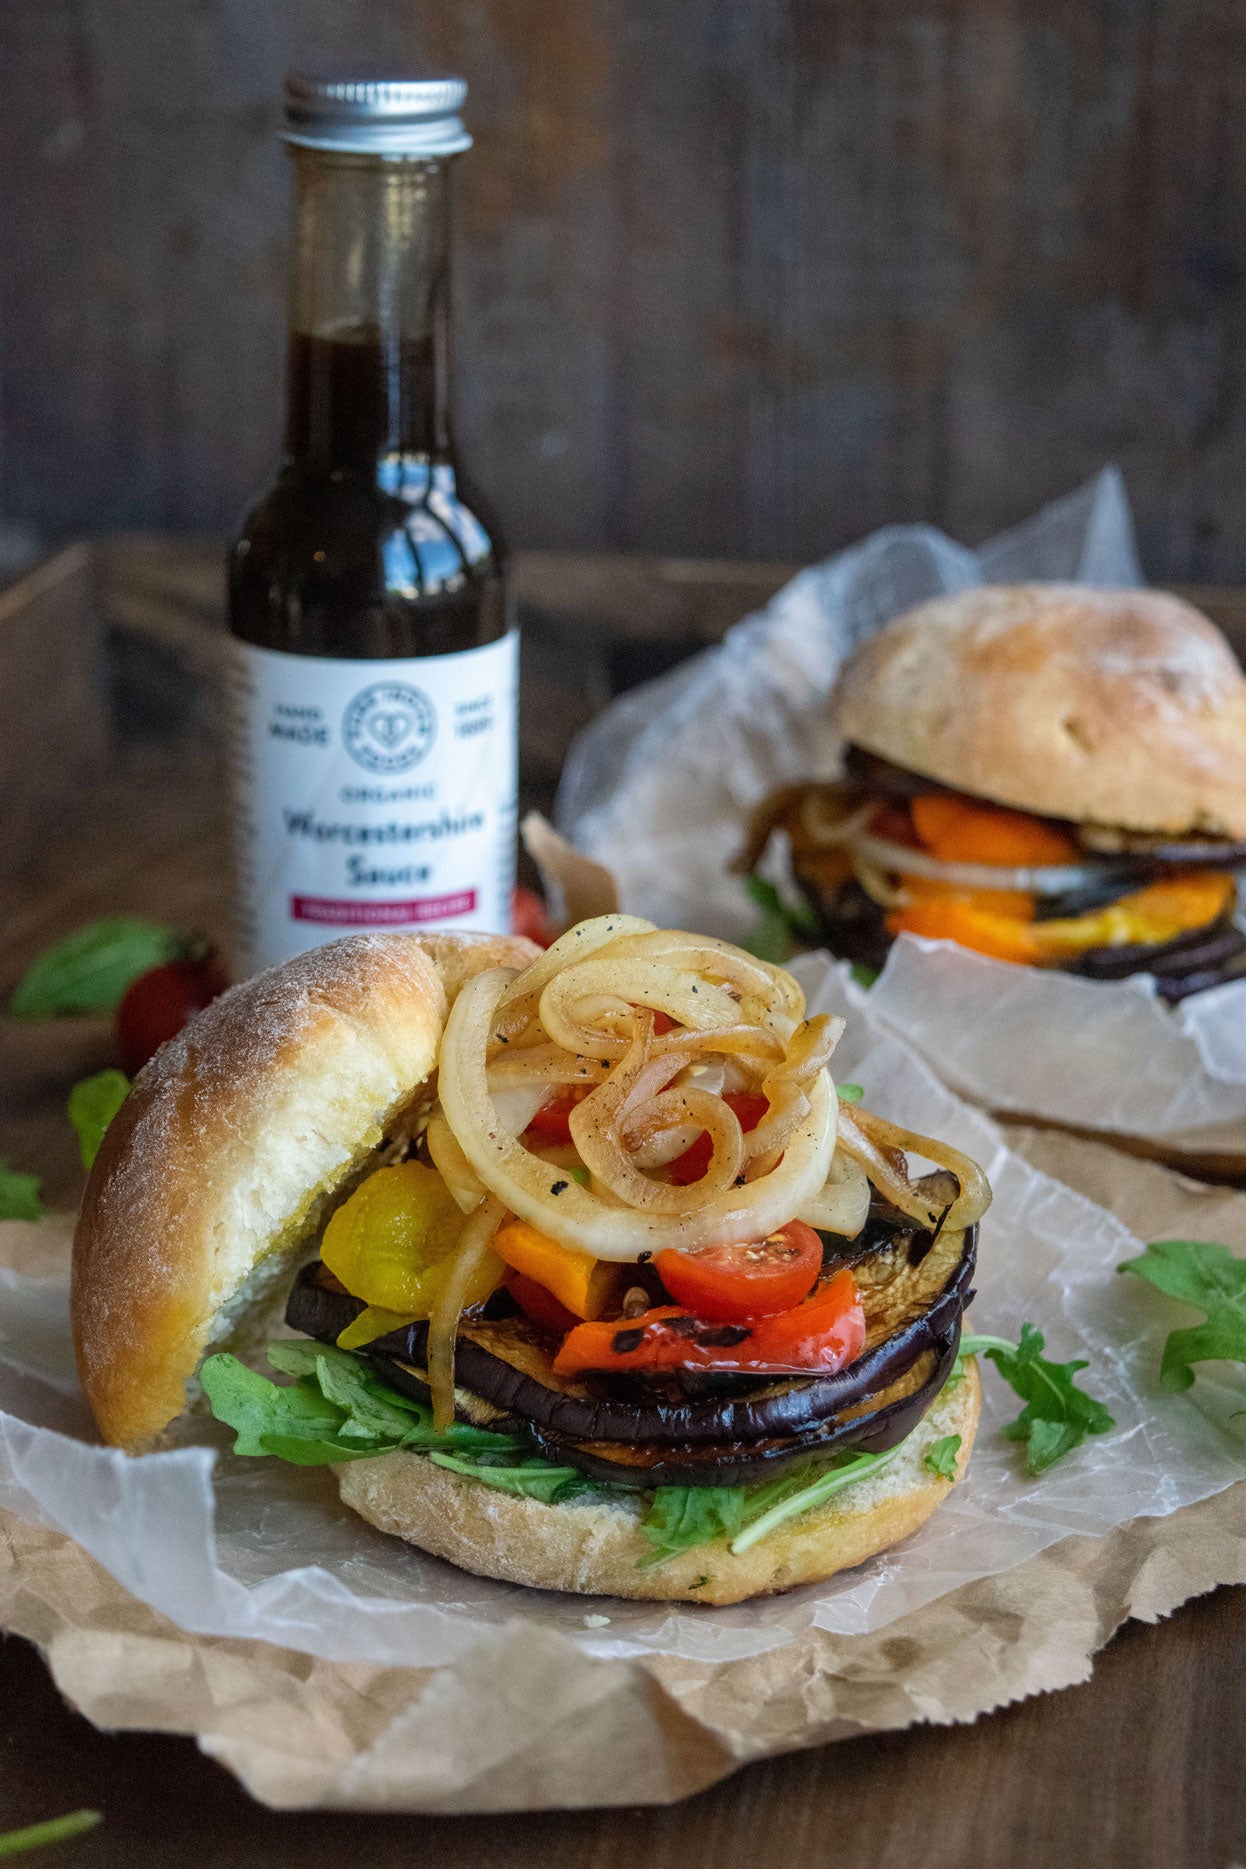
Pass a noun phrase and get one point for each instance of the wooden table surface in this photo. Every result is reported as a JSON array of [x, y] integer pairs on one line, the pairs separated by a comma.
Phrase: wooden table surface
[[1140, 1767]]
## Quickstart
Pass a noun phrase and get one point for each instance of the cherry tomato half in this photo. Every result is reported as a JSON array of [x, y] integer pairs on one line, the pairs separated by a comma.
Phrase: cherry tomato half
[[160, 1002], [551, 1126], [731, 1283], [692, 1164], [825, 1333]]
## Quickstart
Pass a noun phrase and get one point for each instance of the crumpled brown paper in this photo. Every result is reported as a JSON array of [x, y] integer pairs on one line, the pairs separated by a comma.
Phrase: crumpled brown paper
[[526, 1720]]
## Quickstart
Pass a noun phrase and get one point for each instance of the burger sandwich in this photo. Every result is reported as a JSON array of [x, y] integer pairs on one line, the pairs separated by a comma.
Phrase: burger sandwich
[[1051, 775], [590, 1277]]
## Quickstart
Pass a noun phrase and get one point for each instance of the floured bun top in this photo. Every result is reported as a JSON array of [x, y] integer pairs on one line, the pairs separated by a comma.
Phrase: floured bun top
[[1119, 707], [222, 1162]]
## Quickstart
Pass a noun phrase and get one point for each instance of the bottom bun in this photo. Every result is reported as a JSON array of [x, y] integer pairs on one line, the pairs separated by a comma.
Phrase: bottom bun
[[597, 1548]]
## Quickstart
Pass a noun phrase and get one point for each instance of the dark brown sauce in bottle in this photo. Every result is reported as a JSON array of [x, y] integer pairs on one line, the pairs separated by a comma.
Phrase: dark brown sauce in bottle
[[371, 542], [383, 796]]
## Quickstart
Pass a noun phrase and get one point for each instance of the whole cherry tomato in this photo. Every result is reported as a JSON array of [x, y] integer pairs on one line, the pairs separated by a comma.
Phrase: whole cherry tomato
[[530, 917], [160, 1002]]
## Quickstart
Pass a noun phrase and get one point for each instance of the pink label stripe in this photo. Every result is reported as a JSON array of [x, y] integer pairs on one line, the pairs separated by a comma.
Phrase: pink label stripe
[[334, 912]]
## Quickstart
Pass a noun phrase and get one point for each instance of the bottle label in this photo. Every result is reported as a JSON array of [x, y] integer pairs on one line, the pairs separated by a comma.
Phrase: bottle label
[[372, 794]]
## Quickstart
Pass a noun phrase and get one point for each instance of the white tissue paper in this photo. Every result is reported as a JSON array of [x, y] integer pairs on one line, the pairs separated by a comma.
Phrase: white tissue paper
[[659, 789], [253, 1548]]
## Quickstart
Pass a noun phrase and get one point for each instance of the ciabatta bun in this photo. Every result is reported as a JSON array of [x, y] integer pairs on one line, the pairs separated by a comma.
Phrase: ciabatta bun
[[597, 1548], [1114, 707], [225, 1158]]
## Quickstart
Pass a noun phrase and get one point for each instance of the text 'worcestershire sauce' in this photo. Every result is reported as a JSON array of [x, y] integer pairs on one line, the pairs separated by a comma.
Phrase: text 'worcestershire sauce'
[[375, 663]]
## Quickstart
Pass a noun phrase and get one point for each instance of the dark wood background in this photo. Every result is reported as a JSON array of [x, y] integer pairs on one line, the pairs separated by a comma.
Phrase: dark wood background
[[738, 277]]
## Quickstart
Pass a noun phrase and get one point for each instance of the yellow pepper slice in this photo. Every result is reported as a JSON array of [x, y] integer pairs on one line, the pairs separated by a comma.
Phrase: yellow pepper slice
[[372, 1322], [1157, 913], [589, 1287], [393, 1242]]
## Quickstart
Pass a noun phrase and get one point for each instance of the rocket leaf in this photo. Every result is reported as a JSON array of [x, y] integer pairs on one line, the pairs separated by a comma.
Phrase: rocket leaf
[[1057, 1415], [1211, 1279]]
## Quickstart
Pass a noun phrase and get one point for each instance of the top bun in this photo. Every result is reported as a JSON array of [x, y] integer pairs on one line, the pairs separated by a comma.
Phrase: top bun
[[1123, 708], [222, 1163]]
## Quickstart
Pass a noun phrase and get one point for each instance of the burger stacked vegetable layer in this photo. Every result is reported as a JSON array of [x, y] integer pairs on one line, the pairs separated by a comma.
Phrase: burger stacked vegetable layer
[[630, 1240]]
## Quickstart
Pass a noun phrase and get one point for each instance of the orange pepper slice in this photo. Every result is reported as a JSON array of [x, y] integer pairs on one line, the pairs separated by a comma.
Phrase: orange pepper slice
[[963, 830], [1002, 937], [1014, 903], [589, 1287]]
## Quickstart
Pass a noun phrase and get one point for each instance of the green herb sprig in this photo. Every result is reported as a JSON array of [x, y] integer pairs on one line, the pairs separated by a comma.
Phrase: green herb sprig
[[782, 925], [336, 1409], [1057, 1416], [21, 1195], [89, 970], [51, 1830], [940, 1457], [92, 1105], [1212, 1280]]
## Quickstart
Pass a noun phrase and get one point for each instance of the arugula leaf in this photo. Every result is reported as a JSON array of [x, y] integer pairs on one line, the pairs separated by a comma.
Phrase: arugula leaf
[[1058, 1415], [338, 1409], [787, 1498], [89, 970], [781, 925], [940, 1457], [1209, 1277], [680, 1517], [369, 1416], [294, 1421], [863, 975], [51, 1830], [533, 1479], [92, 1105], [20, 1195]]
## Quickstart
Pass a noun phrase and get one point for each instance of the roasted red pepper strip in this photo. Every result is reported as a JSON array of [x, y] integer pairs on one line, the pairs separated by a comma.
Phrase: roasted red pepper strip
[[823, 1334], [540, 1305]]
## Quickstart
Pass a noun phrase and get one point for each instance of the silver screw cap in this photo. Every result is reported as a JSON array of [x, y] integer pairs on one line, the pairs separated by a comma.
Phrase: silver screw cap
[[376, 116]]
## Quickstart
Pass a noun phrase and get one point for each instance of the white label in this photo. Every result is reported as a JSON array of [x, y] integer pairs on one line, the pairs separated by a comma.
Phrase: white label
[[372, 794]]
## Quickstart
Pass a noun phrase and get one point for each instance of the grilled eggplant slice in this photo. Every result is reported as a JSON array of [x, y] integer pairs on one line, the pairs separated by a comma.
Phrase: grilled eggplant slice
[[874, 1422], [913, 1294]]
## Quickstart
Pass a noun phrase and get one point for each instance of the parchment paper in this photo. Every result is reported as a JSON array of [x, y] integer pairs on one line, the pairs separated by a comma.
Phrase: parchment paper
[[660, 786], [247, 1549], [526, 1719]]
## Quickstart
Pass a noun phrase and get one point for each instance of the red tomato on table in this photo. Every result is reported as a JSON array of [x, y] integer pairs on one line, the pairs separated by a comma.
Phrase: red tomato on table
[[530, 917], [160, 1002]]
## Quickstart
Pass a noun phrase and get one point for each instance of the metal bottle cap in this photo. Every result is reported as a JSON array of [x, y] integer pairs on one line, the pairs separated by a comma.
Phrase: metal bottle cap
[[376, 116]]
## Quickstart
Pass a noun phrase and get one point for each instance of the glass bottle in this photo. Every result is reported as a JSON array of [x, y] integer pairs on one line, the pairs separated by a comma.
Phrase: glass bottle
[[375, 653]]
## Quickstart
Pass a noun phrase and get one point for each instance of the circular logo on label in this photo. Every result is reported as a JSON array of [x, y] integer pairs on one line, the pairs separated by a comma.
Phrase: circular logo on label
[[389, 727]]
